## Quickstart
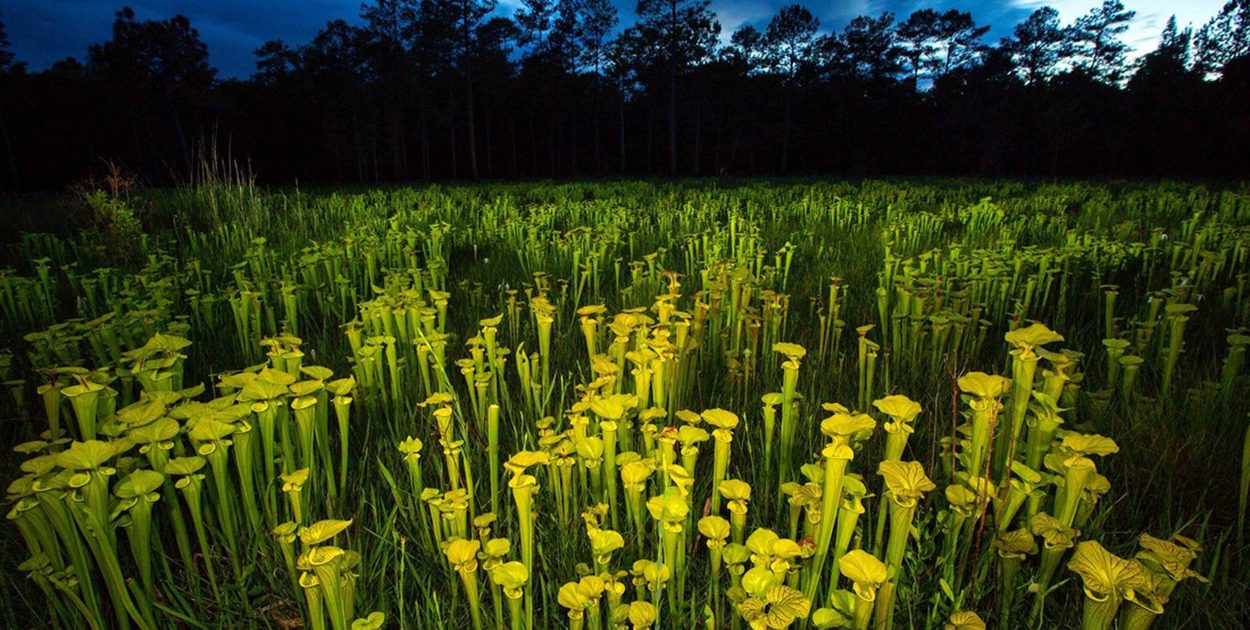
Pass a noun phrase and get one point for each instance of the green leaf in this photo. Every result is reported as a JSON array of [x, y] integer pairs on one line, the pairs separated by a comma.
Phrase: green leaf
[[522, 460], [605, 541], [607, 408], [790, 350], [905, 479], [167, 343], [410, 446], [983, 385], [184, 465], [210, 429], [512, 575], [461, 552], [1090, 444], [735, 490], [779, 607], [87, 455], [141, 413], [669, 507], [306, 388], [1104, 573], [1054, 533], [322, 531], [571, 597], [1015, 544], [1031, 336], [277, 377], [845, 425], [690, 436], [341, 386], [864, 570], [497, 547], [317, 373], [374, 621], [259, 389], [965, 620], [138, 483], [714, 527], [642, 614], [161, 430], [898, 407], [720, 418]]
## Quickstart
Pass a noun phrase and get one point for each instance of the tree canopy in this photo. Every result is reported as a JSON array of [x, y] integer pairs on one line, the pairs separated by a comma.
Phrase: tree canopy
[[442, 89]]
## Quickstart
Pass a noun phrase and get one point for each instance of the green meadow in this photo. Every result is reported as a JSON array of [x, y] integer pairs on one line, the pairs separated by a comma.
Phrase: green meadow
[[740, 404]]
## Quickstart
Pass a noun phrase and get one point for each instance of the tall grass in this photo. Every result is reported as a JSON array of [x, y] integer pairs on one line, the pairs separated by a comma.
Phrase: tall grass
[[633, 404]]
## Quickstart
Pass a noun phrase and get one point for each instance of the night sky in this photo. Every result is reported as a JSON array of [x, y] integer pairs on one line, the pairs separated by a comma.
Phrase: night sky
[[45, 31]]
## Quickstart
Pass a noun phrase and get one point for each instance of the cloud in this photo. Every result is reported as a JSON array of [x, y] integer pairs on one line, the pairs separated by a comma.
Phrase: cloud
[[1152, 15], [735, 13]]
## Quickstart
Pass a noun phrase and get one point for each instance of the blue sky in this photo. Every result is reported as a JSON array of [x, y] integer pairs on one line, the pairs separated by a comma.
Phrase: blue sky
[[44, 31]]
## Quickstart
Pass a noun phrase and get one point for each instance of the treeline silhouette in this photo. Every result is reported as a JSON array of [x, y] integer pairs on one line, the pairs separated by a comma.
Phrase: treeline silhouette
[[451, 89]]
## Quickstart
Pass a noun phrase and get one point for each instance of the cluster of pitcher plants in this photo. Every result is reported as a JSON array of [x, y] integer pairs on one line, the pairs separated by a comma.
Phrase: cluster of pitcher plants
[[402, 413]]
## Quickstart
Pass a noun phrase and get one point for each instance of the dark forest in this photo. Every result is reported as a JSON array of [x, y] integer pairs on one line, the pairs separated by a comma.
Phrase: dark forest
[[451, 89]]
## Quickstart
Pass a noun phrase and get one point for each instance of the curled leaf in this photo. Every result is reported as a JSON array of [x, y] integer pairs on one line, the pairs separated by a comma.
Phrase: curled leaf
[[792, 351], [322, 531], [372, 622], [720, 418], [777, 608], [510, 575], [1105, 574], [1032, 336], [898, 407], [906, 480], [865, 571], [965, 620], [983, 385]]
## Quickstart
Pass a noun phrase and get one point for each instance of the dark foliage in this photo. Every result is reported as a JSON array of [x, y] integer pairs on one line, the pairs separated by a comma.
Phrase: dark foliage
[[450, 89]]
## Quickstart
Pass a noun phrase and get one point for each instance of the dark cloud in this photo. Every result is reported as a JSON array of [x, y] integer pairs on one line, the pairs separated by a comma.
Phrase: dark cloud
[[45, 31]]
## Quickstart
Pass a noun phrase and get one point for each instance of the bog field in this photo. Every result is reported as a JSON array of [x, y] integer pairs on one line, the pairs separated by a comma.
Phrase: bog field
[[704, 404]]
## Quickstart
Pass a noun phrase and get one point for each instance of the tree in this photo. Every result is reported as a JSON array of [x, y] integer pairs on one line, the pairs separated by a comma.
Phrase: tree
[[8, 65], [867, 49], [936, 43], [746, 46], [1037, 45], [597, 19], [1165, 96], [332, 84], [564, 41], [622, 68], [392, 73], [493, 69], [449, 88], [789, 43], [959, 39], [155, 61], [551, 34], [1167, 69], [683, 32], [1224, 38], [1172, 55], [534, 20], [789, 40], [918, 38], [1095, 37], [8, 61], [165, 55], [453, 26], [274, 61]]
